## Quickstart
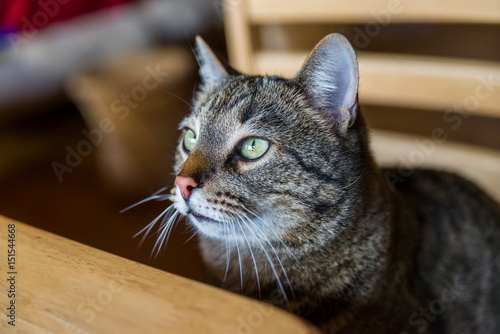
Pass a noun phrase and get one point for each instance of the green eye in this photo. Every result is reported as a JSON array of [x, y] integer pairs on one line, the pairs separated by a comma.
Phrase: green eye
[[189, 140], [254, 148]]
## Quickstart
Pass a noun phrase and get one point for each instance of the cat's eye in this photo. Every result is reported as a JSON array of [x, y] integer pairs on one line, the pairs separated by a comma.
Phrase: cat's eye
[[254, 148], [189, 140]]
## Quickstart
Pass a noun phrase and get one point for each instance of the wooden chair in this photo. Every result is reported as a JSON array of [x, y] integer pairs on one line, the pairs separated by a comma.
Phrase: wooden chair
[[275, 36]]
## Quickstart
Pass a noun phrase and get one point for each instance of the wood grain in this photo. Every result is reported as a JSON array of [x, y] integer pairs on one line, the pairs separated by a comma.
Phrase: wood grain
[[407, 152], [238, 34], [410, 81], [66, 287], [394, 11]]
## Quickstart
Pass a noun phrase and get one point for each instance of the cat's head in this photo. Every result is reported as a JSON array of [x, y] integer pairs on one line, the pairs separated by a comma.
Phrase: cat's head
[[266, 156]]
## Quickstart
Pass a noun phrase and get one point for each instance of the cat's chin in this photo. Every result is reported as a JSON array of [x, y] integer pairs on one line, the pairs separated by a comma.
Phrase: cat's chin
[[207, 226], [203, 220], [216, 229]]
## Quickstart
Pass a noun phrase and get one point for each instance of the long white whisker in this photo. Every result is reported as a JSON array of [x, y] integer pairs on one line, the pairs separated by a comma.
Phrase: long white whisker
[[228, 251], [171, 228], [165, 233], [239, 255], [192, 236], [148, 227], [251, 253], [278, 238], [162, 230], [164, 222], [278, 281], [274, 251], [155, 196]]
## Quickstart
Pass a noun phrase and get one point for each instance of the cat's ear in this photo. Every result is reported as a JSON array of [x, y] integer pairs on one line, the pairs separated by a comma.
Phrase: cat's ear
[[212, 70], [330, 77]]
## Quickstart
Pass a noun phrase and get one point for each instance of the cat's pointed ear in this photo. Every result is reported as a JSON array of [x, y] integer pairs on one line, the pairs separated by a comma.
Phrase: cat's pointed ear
[[212, 70], [330, 77]]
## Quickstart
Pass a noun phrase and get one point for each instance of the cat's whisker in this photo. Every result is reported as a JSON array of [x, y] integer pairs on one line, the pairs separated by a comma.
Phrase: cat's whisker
[[192, 236], [165, 234], [353, 182], [172, 226], [147, 228], [239, 254], [155, 196], [162, 233], [253, 257], [228, 251], [274, 251], [178, 97], [273, 268], [278, 237], [272, 248], [164, 222]]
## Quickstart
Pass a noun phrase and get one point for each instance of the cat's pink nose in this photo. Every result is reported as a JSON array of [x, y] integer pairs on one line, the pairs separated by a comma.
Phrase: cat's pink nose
[[186, 185]]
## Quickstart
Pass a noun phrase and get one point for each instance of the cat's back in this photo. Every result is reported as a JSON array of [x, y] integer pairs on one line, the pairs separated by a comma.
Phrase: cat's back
[[441, 195], [457, 258]]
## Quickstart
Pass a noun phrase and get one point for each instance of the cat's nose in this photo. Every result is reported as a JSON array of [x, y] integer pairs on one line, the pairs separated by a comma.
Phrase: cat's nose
[[186, 185]]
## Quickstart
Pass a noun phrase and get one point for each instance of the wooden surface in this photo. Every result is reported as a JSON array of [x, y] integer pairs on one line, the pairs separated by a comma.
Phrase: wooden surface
[[422, 11], [66, 287]]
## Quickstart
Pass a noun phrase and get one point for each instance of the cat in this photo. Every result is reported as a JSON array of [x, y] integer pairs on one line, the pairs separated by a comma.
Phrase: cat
[[277, 178]]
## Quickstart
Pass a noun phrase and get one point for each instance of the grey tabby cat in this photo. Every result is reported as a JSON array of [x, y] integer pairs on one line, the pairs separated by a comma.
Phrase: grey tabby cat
[[277, 177]]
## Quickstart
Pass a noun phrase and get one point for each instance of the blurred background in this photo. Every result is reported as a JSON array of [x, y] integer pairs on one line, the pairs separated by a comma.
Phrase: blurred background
[[92, 92]]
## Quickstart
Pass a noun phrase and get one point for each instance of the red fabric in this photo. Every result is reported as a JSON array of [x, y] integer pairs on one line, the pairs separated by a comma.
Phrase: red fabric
[[14, 14]]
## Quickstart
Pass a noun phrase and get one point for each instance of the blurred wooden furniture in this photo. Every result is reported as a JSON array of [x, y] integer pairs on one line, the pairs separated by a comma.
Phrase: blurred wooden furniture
[[143, 97], [62, 286], [265, 37]]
